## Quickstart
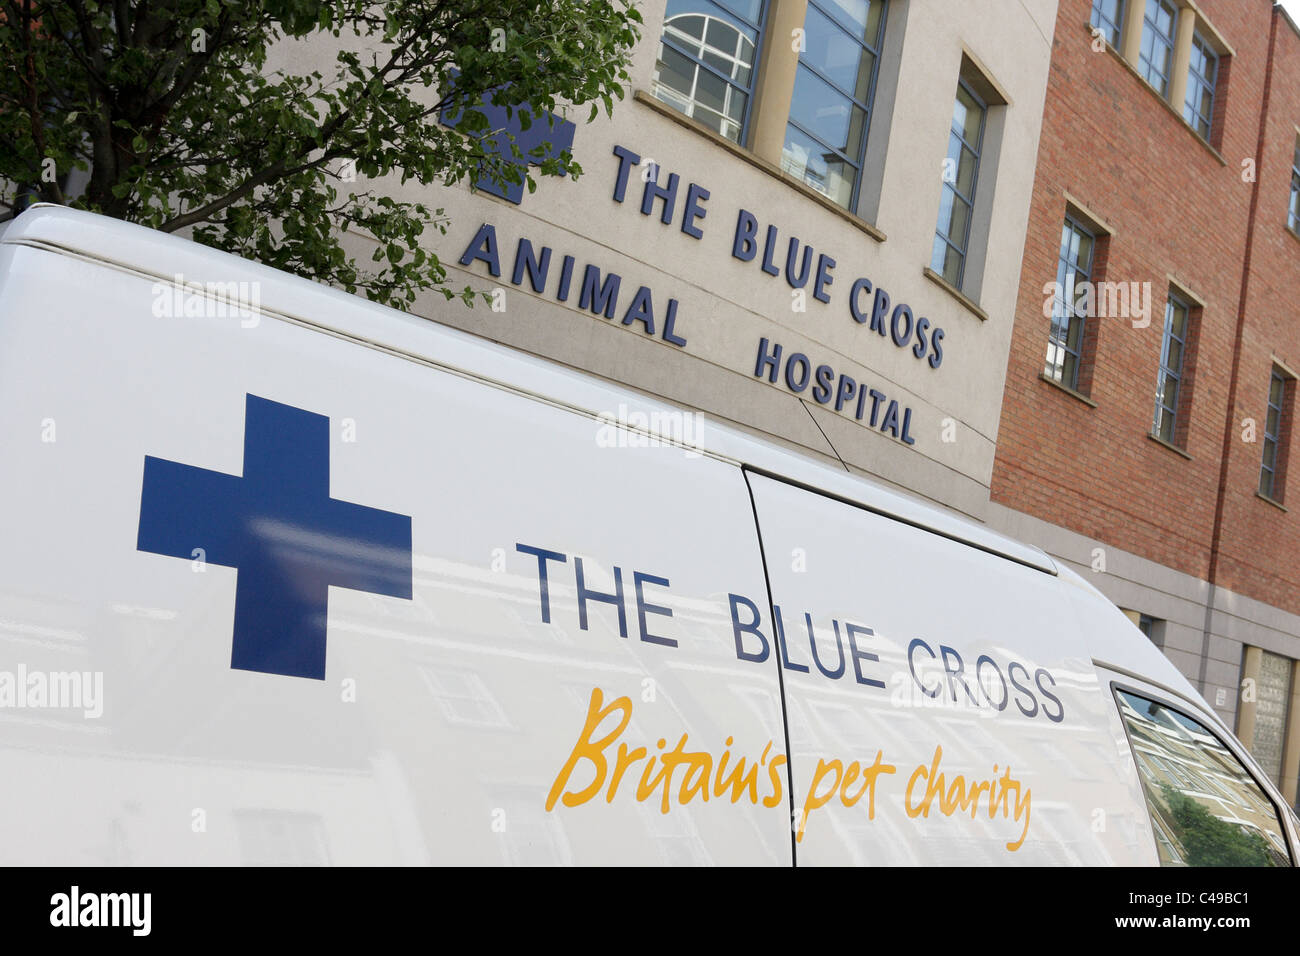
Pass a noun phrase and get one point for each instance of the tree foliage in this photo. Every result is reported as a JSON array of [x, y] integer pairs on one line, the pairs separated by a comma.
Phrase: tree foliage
[[180, 117], [1208, 841]]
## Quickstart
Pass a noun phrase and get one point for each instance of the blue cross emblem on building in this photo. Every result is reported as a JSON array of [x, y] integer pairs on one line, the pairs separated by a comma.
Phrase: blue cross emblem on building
[[546, 132], [279, 527]]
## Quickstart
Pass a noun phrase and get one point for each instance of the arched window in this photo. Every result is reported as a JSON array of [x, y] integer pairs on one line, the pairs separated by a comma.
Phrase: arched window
[[707, 59]]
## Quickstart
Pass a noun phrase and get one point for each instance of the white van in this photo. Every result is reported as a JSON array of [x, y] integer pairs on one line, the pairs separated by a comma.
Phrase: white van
[[292, 578]]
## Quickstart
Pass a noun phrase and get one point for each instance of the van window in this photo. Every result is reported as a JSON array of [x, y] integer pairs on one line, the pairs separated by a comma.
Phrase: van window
[[1206, 809]]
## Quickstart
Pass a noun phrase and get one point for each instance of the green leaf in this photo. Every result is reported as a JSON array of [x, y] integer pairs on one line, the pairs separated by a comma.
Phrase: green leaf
[[239, 119]]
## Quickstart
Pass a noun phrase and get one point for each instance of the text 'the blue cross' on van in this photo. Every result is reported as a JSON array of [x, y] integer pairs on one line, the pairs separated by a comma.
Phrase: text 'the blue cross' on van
[[369, 590]]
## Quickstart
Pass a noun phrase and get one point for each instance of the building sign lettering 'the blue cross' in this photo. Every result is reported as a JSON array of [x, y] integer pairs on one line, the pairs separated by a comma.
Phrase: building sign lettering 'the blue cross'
[[279, 527]]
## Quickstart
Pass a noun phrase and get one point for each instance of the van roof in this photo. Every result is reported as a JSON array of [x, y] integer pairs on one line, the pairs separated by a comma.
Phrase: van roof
[[161, 256]]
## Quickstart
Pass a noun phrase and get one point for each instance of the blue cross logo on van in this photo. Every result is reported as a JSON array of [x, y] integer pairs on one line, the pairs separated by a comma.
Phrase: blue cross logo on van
[[546, 130], [279, 527]]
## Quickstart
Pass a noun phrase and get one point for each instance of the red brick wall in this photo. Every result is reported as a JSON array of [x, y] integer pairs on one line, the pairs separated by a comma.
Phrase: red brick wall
[[1260, 545], [1178, 210]]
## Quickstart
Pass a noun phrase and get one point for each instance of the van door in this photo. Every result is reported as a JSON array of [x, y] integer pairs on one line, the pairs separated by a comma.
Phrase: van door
[[942, 706], [349, 608]]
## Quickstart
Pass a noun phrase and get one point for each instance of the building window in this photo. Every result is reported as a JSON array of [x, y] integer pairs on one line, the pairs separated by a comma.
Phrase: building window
[[830, 112], [1071, 304], [1198, 109], [464, 698], [1268, 723], [1107, 15], [1272, 692], [281, 838], [1169, 380], [1157, 37], [1152, 627], [1157, 53], [1271, 474], [532, 836], [960, 172], [1293, 219], [707, 59]]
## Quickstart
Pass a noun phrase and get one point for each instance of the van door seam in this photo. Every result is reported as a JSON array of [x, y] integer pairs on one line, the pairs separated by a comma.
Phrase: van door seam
[[780, 677]]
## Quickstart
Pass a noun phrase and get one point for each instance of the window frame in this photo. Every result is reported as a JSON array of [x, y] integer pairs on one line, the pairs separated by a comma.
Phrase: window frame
[[1227, 741], [964, 250], [750, 91], [868, 107], [1165, 372], [1275, 438], [1196, 82], [478, 693], [1074, 223], [1100, 21], [1263, 682], [1293, 212], [256, 840], [1145, 66]]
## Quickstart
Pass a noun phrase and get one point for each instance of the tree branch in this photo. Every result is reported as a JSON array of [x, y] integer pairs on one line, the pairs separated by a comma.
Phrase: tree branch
[[268, 175]]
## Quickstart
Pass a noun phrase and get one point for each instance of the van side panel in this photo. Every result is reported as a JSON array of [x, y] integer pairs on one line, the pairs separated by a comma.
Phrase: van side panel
[[203, 510], [942, 705]]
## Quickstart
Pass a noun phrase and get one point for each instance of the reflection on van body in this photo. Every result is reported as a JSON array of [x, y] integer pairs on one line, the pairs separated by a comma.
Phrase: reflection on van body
[[608, 655]]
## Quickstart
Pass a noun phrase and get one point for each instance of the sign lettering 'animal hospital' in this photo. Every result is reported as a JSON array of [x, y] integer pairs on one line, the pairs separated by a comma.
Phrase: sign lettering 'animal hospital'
[[805, 270]]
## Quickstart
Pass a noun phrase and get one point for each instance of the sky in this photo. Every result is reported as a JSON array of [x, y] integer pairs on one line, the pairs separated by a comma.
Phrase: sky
[[1292, 8]]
